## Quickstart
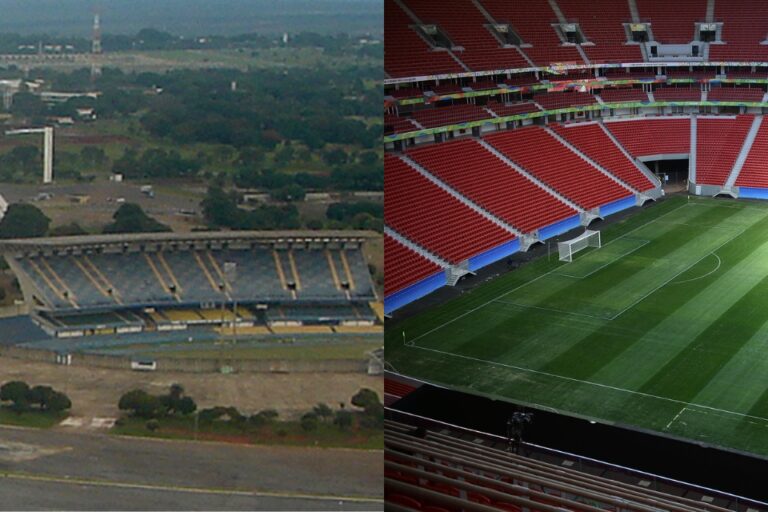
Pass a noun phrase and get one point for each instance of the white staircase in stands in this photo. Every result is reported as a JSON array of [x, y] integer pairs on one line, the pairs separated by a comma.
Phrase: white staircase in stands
[[744, 152]]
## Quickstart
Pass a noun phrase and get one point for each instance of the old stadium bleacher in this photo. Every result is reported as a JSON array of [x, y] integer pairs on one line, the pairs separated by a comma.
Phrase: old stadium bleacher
[[91, 288]]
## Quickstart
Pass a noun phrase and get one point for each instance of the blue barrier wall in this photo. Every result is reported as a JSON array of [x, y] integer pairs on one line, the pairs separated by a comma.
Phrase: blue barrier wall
[[753, 193], [414, 292], [493, 255], [617, 206], [559, 227]]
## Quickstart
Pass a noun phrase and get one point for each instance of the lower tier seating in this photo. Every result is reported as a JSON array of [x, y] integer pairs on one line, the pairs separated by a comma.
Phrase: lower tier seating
[[478, 174], [718, 144], [754, 173], [644, 137], [557, 166], [424, 213], [403, 267], [592, 140]]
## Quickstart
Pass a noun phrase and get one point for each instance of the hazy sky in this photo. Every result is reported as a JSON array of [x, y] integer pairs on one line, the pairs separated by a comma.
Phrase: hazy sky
[[191, 17]]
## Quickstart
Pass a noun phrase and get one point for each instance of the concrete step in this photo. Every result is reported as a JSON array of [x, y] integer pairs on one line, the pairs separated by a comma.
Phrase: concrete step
[[739, 163]]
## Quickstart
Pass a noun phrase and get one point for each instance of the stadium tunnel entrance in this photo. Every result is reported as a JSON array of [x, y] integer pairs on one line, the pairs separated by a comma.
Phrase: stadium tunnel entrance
[[671, 171]]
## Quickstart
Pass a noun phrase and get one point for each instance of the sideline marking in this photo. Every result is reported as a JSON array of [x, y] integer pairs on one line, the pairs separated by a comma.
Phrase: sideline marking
[[596, 384], [675, 418]]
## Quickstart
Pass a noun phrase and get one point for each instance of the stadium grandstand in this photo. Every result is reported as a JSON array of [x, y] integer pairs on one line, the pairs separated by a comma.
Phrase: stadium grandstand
[[516, 135], [257, 282]]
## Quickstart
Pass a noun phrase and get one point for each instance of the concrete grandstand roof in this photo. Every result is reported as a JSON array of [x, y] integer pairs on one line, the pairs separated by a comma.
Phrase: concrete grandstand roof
[[93, 241]]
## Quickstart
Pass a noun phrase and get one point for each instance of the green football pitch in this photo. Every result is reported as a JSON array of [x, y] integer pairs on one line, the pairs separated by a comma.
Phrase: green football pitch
[[664, 328]]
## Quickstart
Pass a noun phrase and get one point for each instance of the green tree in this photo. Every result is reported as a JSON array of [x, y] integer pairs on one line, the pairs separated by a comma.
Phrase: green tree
[[130, 218], [141, 404], [309, 422], [58, 402], [24, 221], [16, 391], [343, 420], [323, 411]]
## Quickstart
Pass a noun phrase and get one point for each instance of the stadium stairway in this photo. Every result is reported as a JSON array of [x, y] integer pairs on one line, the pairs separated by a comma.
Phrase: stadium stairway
[[745, 149], [585, 216], [591, 162], [648, 174], [471, 204]]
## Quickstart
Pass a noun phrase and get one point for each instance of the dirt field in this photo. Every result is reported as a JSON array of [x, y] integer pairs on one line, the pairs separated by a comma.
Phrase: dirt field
[[95, 392]]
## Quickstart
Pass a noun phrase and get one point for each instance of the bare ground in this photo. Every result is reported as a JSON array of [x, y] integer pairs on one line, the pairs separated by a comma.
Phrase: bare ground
[[95, 391]]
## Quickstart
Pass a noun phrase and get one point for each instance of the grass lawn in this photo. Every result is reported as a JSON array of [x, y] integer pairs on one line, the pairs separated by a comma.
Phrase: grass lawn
[[34, 419], [665, 327], [277, 433]]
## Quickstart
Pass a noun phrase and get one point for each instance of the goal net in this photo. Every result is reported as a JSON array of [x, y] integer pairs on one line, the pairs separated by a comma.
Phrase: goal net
[[570, 247]]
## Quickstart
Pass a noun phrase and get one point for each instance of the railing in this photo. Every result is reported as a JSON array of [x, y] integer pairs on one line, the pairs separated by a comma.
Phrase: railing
[[581, 461]]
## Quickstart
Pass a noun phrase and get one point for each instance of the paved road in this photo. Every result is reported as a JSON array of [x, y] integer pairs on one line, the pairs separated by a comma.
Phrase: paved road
[[53, 469]]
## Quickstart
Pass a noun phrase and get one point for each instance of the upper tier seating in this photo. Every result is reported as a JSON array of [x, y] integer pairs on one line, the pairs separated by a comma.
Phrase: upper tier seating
[[452, 114], [604, 27], [424, 213], [754, 173], [645, 137], [501, 109], [735, 94], [403, 267], [595, 143], [672, 22], [405, 92], [395, 124], [406, 53], [558, 166], [531, 21], [621, 95], [478, 174], [744, 28], [463, 23], [677, 94], [556, 100], [718, 144]]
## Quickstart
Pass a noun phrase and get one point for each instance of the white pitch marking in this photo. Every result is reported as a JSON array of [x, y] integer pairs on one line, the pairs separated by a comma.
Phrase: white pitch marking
[[719, 262], [596, 384], [414, 340], [675, 418]]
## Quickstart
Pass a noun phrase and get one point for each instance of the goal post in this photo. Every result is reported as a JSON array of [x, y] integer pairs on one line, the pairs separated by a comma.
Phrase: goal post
[[568, 248]]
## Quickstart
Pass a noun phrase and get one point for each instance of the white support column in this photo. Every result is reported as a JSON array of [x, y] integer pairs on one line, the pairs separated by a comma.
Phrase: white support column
[[48, 155]]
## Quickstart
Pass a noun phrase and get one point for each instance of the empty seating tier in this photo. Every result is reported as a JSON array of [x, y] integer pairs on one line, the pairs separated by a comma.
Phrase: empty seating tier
[[604, 27], [754, 172], [735, 94], [622, 95], [464, 24], [453, 114], [592, 140], [406, 53], [677, 94], [552, 162], [403, 267], [531, 21], [646, 137], [744, 28], [484, 178], [718, 144], [512, 109], [556, 100], [672, 22], [424, 213]]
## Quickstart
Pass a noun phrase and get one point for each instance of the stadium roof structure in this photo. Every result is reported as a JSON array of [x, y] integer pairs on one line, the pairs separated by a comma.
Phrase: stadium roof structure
[[170, 239]]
